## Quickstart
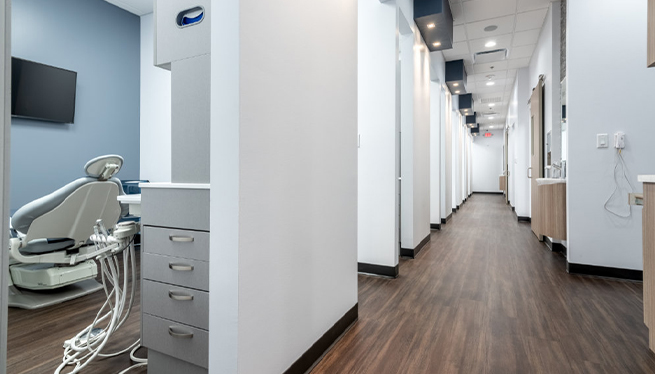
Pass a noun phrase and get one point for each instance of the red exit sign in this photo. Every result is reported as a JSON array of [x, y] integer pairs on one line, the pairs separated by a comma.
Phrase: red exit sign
[[488, 135]]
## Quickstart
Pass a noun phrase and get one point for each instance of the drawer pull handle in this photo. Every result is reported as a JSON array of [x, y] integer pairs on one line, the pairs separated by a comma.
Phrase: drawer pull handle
[[176, 332], [180, 239], [180, 267], [180, 296]]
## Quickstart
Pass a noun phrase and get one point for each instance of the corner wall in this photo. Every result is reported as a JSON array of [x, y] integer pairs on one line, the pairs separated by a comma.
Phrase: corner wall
[[604, 88]]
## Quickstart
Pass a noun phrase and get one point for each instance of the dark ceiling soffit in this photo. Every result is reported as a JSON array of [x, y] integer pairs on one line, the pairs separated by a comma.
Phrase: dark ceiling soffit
[[437, 12], [472, 118], [465, 102], [456, 73]]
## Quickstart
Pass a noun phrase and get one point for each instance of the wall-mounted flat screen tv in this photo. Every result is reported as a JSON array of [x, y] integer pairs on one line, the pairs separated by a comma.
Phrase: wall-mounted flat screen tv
[[42, 92]]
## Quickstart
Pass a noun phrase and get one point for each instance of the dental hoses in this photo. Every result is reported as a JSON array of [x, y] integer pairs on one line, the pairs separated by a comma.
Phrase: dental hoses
[[89, 343]]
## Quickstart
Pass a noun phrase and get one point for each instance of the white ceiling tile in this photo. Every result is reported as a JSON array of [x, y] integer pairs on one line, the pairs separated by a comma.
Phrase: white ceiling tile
[[526, 37], [521, 52], [491, 67], [525, 5], [530, 20], [459, 33], [502, 41], [518, 63], [500, 74], [459, 49], [479, 10], [475, 30]]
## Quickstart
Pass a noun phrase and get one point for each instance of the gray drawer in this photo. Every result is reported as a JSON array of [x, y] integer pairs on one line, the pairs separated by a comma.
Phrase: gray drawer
[[159, 363], [189, 273], [193, 245], [157, 334], [183, 208], [179, 304]]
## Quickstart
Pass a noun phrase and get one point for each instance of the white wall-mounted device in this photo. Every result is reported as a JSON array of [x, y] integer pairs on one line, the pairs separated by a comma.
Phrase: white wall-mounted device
[[619, 140], [602, 141]]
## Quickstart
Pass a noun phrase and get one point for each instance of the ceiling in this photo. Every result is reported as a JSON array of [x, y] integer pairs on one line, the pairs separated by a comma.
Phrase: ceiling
[[518, 24], [138, 7]]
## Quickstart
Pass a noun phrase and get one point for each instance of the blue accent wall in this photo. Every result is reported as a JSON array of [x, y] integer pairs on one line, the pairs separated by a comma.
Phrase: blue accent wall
[[101, 42]]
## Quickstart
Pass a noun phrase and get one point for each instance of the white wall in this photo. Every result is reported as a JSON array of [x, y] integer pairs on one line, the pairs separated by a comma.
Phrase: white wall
[[518, 120], [415, 126], [284, 179], [435, 151], [599, 102], [446, 157], [546, 61], [155, 110], [377, 241], [487, 154]]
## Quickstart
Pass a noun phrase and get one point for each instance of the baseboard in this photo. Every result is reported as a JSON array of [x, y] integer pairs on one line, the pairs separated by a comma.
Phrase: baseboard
[[524, 219], [386, 271], [454, 210], [414, 252], [555, 247], [457, 208], [436, 226], [602, 271], [513, 209], [316, 352], [487, 193], [445, 220]]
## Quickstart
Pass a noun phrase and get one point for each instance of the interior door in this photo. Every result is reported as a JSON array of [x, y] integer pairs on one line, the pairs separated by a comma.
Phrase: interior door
[[506, 165], [536, 169]]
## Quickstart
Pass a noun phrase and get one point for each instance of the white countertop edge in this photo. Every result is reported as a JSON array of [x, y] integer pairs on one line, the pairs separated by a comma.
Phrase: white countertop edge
[[134, 198], [646, 178], [177, 186]]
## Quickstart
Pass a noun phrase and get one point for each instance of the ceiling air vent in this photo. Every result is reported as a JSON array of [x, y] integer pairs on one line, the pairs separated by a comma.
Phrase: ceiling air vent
[[486, 57], [489, 100]]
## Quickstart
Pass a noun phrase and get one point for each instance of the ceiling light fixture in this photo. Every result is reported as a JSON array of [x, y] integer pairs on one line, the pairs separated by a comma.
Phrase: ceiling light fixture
[[436, 44], [431, 25], [490, 44], [491, 28], [491, 117], [490, 83], [492, 104], [456, 92], [455, 84]]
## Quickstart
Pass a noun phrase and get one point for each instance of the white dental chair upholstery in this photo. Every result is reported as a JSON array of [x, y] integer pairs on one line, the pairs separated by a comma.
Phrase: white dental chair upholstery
[[51, 249]]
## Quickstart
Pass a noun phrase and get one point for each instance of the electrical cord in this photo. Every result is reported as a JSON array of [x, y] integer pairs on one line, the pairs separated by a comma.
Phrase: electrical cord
[[619, 161]]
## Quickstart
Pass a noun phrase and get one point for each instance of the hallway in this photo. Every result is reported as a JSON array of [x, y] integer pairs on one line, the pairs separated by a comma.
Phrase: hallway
[[486, 297]]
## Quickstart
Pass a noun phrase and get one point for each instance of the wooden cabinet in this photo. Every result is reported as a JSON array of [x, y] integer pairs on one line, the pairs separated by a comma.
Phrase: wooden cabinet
[[651, 33], [501, 183], [552, 199], [648, 237]]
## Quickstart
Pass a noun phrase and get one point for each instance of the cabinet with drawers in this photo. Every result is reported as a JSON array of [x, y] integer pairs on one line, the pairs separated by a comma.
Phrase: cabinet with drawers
[[175, 277]]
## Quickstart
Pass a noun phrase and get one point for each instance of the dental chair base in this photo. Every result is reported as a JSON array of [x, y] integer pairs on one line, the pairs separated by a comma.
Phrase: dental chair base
[[20, 298]]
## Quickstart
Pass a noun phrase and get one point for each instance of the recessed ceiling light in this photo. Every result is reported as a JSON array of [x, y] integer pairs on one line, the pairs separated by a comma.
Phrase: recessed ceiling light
[[490, 44], [491, 117], [490, 83], [492, 104], [431, 25], [491, 28], [456, 92], [455, 84], [491, 127], [436, 44]]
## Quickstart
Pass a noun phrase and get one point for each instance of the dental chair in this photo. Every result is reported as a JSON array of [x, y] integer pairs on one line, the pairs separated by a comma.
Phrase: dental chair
[[51, 259]]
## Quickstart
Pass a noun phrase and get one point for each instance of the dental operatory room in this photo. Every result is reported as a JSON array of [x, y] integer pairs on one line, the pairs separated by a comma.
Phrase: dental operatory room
[[327, 186]]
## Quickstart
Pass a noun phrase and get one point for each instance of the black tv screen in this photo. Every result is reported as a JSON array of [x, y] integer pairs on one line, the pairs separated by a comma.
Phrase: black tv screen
[[42, 92]]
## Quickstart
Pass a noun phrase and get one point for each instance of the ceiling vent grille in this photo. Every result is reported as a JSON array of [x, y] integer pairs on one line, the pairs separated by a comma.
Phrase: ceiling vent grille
[[486, 57], [489, 100]]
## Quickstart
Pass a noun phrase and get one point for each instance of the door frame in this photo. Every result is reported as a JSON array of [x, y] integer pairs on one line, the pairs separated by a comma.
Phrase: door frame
[[536, 169], [5, 137]]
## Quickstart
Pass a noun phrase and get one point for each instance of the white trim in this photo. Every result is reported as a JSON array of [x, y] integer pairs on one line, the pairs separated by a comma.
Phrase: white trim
[[646, 178], [5, 136], [181, 186]]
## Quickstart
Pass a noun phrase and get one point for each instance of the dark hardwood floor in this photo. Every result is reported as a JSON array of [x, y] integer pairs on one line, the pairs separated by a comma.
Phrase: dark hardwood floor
[[483, 297], [487, 297], [36, 337]]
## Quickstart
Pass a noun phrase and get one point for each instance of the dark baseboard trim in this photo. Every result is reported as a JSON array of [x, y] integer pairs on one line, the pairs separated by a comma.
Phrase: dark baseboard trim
[[436, 226], [315, 353], [602, 271], [555, 247], [445, 220], [524, 219], [488, 193], [454, 210], [457, 208], [513, 210], [386, 271], [404, 252]]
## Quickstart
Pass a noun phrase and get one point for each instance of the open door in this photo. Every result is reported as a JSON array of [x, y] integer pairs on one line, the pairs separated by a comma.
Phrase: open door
[[536, 169]]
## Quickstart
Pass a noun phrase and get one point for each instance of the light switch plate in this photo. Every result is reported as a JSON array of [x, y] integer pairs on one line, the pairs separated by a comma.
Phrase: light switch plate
[[602, 141]]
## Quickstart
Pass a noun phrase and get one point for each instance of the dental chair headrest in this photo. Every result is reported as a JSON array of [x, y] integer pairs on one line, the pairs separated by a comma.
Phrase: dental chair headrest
[[104, 167]]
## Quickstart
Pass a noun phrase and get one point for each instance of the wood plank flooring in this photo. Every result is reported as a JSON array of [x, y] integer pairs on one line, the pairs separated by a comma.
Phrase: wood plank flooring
[[36, 337], [483, 297], [487, 297]]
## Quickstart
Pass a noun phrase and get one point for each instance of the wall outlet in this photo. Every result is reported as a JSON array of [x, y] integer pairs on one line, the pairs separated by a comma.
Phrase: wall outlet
[[619, 140], [602, 141]]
